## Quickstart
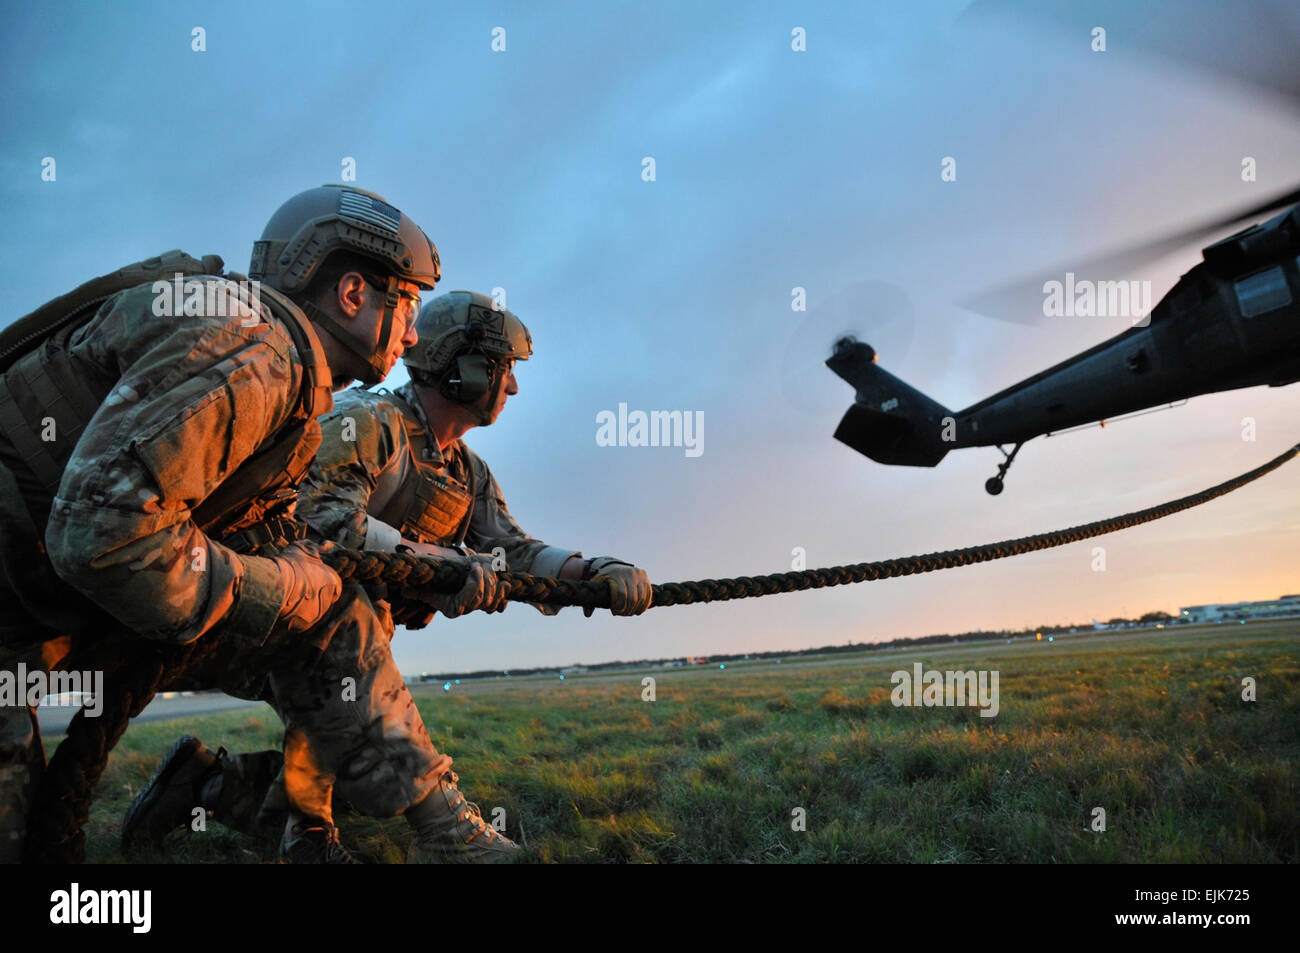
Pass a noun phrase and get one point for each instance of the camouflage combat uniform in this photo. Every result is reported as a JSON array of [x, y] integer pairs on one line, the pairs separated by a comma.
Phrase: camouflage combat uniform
[[378, 477], [116, 552]]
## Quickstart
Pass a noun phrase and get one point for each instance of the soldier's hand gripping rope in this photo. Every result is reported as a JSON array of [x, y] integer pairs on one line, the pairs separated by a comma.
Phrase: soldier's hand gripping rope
[[311, 587], [482, 589]]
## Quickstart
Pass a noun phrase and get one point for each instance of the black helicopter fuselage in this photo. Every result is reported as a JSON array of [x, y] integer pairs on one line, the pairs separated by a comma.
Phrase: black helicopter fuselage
[[1232, 321]]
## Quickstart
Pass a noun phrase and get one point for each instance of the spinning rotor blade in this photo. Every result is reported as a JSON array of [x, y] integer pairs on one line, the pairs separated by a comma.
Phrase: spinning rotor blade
[[1021, 301]]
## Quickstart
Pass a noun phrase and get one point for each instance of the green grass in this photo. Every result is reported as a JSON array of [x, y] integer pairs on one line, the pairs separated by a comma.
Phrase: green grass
[[1152, 728]]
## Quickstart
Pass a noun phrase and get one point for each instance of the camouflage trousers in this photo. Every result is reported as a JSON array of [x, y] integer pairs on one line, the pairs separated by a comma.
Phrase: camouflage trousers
[[253, 797], [350, 724]]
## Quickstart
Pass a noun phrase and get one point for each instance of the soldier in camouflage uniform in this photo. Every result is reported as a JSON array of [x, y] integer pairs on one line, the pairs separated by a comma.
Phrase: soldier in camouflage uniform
[[393, 473], [146, 452]]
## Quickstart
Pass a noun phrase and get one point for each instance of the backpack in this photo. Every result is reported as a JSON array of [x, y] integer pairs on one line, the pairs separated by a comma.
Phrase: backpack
[[28, 331]]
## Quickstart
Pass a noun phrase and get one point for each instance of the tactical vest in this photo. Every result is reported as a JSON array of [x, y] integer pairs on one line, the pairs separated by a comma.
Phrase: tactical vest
[[40, 378], [433, 507]]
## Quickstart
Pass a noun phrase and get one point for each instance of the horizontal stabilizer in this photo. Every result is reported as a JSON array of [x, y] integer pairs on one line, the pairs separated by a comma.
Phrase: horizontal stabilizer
[[886, 438]]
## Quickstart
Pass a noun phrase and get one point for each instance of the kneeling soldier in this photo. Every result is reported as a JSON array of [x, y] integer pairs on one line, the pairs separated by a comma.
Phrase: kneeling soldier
[[161, 509]]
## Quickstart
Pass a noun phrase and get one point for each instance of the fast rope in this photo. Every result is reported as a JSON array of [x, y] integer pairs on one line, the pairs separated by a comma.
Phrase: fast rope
[[134, 671], [406, 571]]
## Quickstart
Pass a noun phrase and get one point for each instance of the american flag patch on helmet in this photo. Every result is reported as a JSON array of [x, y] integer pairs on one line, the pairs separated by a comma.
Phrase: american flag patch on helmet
[[371, 211]]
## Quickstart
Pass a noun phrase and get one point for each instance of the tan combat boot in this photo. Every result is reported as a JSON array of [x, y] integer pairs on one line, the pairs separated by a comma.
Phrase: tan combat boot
[[450, 830]]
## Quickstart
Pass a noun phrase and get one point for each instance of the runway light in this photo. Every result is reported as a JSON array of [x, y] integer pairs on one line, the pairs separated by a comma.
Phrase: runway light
[[446, 686], [458, 681], [1051, 638], [561, 678], [1040, 636], [722, 666]]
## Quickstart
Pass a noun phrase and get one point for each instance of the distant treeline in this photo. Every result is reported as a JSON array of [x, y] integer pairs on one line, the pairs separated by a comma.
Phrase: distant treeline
[[845, 649]]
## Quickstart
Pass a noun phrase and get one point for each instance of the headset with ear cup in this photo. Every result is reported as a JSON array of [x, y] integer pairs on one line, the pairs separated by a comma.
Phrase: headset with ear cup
[[471, 374], [464, 340]]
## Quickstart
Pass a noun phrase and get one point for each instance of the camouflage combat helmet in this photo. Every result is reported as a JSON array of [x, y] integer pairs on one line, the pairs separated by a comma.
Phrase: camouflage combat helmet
[[315, 224], [462, 337]]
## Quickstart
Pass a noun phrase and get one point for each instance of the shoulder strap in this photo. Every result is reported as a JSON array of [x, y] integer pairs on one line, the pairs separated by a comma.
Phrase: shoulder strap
[[266, 483], [416, 435], [318, 384]]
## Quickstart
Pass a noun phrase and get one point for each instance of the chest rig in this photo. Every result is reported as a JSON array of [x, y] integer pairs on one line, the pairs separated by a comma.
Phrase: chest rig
[[434, 506]]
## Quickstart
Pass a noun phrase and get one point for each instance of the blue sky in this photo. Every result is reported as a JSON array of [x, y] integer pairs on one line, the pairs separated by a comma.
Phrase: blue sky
[[775, 169]]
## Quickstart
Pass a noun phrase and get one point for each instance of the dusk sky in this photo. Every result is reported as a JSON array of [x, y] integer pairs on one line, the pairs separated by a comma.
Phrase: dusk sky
[[775, 169]]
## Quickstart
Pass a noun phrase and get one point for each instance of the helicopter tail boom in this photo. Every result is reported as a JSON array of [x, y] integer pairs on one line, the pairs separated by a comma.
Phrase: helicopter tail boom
[[890, 421]]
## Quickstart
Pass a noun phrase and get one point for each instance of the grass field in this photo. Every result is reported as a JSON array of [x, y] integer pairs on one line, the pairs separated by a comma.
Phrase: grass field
[[1150, 727]]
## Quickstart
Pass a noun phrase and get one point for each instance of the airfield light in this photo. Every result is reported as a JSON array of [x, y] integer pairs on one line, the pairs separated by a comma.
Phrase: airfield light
[[1040, 636], [723, 665], [561, 678], [446, 686], [458, 681], [1051, 638]]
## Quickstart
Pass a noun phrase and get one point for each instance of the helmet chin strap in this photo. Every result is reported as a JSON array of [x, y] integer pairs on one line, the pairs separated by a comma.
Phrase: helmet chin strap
[[373, 356]]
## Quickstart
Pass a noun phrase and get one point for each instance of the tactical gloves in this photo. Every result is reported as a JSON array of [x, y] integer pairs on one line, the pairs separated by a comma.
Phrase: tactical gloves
[[629, 587], [482, 590], [310, 587]]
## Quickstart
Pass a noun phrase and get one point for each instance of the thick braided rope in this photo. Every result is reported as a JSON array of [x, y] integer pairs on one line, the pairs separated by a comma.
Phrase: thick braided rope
[[405, 570], [55, 829]]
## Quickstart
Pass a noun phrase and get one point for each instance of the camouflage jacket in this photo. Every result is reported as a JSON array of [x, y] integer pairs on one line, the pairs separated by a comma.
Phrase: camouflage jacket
[[188, 398], [369, 488]]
